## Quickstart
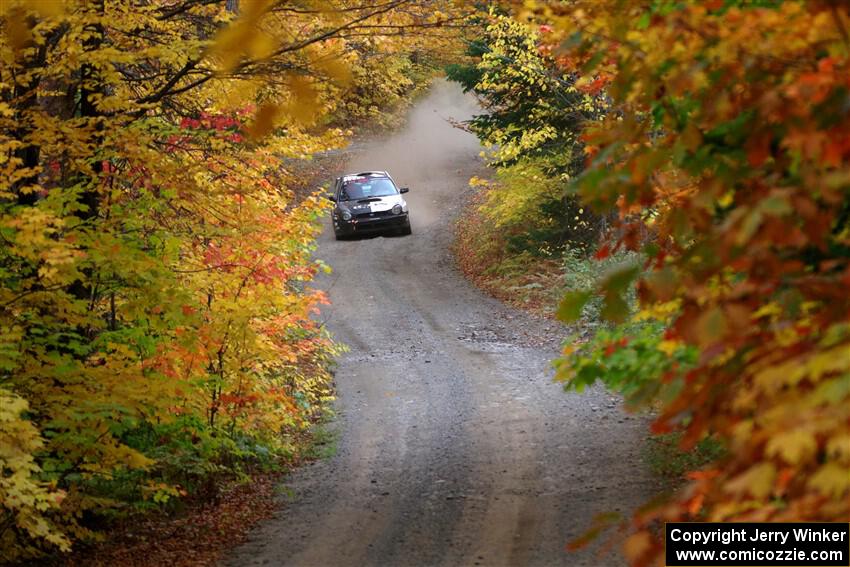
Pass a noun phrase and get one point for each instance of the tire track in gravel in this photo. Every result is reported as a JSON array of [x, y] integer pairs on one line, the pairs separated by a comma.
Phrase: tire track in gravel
[[455, 446]]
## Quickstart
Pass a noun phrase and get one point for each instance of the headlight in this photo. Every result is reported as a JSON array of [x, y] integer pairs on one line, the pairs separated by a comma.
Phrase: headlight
[[397, 210], [346, 216]]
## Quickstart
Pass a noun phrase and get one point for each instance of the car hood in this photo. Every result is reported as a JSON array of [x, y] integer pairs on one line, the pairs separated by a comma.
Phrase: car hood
[[372, 204]]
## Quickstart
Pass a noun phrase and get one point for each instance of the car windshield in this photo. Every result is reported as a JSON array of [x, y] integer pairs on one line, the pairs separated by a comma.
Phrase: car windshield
[[365, 187]]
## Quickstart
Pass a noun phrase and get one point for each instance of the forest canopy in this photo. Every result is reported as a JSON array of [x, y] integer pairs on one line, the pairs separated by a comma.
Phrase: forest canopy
[[159, 329], [157, 326]]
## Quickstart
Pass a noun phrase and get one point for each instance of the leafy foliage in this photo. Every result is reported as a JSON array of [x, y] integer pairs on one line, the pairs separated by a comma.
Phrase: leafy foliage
[[157, 323], [726, 158], [633, 359], [24, 495], [532, 119]]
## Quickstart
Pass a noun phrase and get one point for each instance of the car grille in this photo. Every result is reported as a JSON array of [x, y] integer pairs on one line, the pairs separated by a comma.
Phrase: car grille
[[378, 215]]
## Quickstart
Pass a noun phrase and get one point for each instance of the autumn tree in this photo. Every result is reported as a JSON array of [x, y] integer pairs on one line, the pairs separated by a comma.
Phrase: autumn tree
[[531, 121], [727, 159], [156, 324]]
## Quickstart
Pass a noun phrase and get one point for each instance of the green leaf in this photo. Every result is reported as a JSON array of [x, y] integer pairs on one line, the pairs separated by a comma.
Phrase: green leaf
[[618, 279], [614, 308], [571, 305]]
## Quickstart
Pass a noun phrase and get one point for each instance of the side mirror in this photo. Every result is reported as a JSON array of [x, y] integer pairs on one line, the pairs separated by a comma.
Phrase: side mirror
[[330, 197], [404, 189]]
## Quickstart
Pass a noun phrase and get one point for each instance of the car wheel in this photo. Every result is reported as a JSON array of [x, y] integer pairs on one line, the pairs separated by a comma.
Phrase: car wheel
[[405, 230]]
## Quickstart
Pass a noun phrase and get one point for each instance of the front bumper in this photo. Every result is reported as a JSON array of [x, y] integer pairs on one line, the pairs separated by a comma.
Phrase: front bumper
[[364, 224]]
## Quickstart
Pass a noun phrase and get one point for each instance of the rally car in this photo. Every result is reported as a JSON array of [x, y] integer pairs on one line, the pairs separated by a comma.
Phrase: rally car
[[368, 202]]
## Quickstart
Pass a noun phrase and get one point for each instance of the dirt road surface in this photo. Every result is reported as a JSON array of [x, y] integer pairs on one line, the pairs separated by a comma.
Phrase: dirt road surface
[[454, 445]]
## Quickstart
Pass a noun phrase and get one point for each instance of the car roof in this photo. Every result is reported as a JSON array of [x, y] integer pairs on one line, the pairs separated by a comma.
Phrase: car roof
[[348, 176]]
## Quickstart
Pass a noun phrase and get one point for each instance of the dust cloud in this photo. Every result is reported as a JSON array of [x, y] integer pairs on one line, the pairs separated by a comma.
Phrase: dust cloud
[[426, 153]]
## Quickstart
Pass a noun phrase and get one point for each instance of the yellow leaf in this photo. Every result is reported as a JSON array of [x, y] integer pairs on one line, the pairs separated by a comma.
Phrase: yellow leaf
[[261, 45], [228, 45], [726, 199], [793, 446], [757, 480], [18, 32], [832, 480], [829, 361], [303, 105], [668, 347], [768, 310], [336, 69], [839, 446], [264, 121], [47, 8]]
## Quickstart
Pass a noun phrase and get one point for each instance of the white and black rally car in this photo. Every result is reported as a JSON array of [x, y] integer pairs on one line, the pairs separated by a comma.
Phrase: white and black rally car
[[368, 202]]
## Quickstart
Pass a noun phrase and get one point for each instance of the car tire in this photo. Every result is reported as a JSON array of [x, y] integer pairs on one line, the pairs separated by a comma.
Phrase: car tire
[[406, 230]]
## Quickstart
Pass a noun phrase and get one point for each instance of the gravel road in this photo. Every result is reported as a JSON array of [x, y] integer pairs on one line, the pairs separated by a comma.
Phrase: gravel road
[[454, 445]]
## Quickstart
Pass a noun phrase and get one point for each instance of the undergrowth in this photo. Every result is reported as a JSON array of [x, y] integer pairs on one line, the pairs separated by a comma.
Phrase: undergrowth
[[667, 460], [532, 275]]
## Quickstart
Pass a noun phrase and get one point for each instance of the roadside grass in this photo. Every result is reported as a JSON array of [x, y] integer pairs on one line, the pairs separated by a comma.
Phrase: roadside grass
[[524, 280], [668, 460], [533, 281], [324, 439]]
